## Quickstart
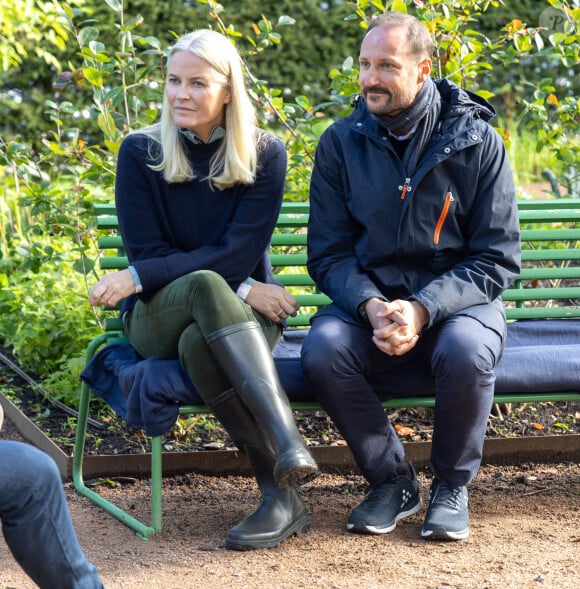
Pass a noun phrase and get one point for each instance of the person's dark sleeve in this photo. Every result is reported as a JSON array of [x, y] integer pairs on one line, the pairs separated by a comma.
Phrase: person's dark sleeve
[[332, 262]]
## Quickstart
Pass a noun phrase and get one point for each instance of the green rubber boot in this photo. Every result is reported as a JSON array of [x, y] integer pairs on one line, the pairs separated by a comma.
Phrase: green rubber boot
[[282, 512], [246, 359]]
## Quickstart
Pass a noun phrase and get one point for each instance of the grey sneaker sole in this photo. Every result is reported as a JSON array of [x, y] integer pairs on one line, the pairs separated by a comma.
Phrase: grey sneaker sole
[[443, 534], [362, 528]]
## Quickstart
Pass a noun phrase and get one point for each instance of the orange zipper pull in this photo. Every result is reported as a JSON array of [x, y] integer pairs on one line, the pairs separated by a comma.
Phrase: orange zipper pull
[[442, 217], [405, 188]]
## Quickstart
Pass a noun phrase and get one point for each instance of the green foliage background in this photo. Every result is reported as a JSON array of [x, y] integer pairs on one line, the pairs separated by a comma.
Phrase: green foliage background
[[319, 39], [76, 76]]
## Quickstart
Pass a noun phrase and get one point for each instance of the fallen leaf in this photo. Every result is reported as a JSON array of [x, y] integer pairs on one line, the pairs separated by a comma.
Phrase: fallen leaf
[[537, 426], [403, 430]]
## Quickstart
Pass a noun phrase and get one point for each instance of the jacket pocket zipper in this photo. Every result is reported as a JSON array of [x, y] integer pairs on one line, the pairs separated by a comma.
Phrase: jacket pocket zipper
[[442, 217]]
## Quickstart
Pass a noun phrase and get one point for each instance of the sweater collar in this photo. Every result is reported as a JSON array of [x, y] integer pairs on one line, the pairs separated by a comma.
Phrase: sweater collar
[[216, 134]]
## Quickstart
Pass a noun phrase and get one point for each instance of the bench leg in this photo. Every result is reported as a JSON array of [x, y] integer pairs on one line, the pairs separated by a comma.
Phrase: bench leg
[[142, 530], [156, 482]]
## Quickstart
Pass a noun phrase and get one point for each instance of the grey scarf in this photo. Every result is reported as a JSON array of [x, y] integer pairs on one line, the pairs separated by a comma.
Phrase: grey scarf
[[425, 111]]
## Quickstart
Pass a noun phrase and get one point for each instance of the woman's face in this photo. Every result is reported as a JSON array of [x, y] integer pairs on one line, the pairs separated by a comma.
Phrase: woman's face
[[197, 101]]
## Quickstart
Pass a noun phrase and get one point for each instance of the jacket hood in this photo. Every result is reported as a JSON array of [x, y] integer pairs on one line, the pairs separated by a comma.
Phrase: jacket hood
[[457, 101]]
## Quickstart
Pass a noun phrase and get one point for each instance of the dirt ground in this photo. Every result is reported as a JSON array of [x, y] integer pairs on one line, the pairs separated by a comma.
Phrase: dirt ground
[[525, 533]]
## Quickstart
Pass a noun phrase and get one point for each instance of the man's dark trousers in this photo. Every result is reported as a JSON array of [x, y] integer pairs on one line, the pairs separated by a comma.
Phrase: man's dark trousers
[[349, 375]]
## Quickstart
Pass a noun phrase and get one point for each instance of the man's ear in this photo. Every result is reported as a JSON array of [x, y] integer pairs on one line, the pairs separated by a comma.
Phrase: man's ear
[[424, 70]]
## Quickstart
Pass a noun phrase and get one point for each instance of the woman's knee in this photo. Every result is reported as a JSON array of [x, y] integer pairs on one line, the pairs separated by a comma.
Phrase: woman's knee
[[207, 285], [206, 279], [213, 303]]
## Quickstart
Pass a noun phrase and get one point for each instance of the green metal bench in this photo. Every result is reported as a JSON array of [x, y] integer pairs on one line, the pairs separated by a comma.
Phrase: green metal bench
[[550, 233]]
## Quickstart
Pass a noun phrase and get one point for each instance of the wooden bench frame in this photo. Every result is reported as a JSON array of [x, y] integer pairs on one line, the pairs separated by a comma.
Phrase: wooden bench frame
[[550, 231]]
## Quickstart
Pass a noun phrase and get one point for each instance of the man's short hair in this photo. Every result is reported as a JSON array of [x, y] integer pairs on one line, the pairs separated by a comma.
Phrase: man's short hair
[[420, 42]]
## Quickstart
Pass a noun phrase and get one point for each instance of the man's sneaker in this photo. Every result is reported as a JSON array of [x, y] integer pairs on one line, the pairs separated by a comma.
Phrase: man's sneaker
[[386, 503], [447, 516]]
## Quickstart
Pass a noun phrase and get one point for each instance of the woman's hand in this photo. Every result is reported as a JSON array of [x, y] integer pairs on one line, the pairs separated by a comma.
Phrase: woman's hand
[[111, 288], [272, 300]]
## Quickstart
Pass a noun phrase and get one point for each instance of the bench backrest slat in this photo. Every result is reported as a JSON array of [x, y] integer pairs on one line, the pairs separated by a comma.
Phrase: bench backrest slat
[[548, 285]]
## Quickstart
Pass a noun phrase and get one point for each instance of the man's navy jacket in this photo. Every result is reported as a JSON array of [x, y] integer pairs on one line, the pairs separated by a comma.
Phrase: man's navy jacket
[[445, 234]]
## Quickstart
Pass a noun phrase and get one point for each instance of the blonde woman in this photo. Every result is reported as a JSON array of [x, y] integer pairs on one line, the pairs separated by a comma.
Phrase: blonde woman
[[198, 196]]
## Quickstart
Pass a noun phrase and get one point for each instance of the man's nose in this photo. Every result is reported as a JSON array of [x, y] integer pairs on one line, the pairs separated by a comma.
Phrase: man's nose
[[370, 77]]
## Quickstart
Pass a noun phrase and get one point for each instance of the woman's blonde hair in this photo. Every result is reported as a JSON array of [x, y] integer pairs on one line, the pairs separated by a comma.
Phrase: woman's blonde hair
[[236, 159]]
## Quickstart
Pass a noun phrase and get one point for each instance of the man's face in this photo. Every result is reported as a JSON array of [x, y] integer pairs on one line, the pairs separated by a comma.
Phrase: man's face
[[389, 77]]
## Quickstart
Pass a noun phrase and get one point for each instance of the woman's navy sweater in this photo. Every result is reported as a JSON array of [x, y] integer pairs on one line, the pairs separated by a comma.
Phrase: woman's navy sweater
[[170, 230]]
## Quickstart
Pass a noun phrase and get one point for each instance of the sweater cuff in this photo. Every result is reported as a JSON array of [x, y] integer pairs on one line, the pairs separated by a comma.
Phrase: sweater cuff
[[244, 288], [136, 279]]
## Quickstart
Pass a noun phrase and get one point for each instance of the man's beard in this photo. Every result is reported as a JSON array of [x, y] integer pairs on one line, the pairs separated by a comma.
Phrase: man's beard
[[387, 107]]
